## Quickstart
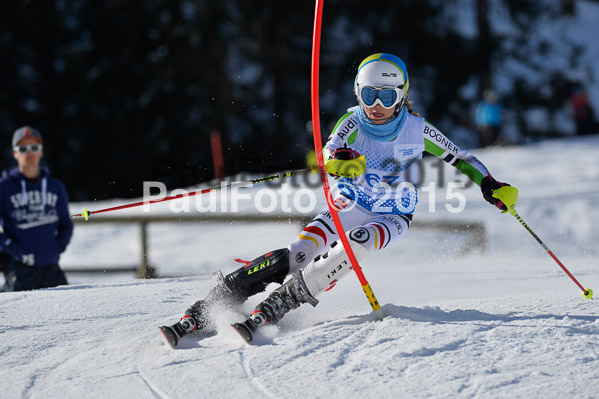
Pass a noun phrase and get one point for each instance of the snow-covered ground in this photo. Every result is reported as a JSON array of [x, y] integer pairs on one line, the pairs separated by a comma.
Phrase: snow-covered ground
[[504, 322]]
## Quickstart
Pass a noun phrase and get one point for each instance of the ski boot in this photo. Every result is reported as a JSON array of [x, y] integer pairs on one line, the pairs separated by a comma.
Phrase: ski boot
[[199, 315], [173, 333], [287, 297], [232, 291]]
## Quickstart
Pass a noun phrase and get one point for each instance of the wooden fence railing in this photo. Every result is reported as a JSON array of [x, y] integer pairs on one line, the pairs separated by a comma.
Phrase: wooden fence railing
[[477, 230]]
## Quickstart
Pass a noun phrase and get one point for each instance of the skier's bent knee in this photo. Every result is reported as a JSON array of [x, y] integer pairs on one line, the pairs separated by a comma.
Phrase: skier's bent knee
[[330, 267], [255, 276]]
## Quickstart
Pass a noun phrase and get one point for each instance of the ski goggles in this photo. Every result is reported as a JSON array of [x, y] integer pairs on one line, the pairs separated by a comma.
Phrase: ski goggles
[[34, 148], [387, 97]]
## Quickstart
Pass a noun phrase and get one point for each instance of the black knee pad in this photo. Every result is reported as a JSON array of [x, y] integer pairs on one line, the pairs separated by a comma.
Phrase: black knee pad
[[256, 276]]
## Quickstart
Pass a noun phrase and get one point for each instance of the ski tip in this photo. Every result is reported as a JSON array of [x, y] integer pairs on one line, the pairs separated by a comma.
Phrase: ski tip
[[169, 336], [243, 332]]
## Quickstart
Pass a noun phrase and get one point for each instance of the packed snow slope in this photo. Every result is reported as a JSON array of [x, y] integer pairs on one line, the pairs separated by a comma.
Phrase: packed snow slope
[[505, 322]]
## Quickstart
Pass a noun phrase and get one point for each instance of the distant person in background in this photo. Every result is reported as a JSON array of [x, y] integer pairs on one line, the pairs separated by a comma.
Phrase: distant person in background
[[36, 226], [489, 117], [582, 111]]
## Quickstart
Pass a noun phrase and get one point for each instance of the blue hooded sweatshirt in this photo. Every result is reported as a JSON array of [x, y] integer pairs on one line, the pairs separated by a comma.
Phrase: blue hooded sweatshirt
[[35, 218]]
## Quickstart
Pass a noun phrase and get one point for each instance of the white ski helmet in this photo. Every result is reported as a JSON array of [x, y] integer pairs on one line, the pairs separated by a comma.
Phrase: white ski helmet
[[382, 78]]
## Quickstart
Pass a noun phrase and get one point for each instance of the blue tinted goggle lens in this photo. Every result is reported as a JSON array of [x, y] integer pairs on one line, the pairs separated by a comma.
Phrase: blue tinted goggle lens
[[387, 96]]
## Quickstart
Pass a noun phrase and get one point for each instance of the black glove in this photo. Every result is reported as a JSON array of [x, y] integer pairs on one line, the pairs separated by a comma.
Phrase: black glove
[[344, 153], [487, 186]]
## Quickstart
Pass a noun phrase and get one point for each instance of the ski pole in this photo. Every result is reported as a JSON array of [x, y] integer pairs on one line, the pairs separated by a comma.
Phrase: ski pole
[[323, 174], [509, 195], [86, 214]]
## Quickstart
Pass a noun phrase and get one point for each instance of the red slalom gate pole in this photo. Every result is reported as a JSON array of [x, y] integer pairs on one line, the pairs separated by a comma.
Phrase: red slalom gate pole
[[320, 159]]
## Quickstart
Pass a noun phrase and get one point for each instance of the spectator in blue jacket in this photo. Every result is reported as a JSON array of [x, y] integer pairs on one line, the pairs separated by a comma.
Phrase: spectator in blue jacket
[[36, 226], [489, 118]]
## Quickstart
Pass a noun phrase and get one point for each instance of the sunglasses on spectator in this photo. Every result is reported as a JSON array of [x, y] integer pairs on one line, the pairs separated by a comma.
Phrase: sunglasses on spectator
[[35, 148]]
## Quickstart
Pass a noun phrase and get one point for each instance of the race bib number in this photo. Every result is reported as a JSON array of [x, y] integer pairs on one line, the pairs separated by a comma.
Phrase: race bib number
[[389, 191]]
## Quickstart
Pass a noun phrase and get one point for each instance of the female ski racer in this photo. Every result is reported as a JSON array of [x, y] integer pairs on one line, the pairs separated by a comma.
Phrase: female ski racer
[[381, 137]]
